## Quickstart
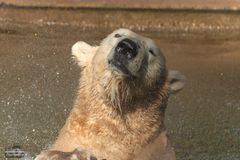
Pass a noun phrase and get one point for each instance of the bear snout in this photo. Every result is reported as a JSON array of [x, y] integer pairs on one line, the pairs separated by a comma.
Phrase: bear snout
[[126, 49], [124, 54]]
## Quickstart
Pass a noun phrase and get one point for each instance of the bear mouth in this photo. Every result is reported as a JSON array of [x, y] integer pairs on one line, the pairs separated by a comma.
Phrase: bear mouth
[[121, 67]]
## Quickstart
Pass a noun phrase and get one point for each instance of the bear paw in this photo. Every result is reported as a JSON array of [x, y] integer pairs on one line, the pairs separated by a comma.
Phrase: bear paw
[[77, 154]]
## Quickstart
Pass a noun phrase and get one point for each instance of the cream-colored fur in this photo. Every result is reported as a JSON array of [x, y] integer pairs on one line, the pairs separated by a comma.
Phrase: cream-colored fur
[[117, 117]]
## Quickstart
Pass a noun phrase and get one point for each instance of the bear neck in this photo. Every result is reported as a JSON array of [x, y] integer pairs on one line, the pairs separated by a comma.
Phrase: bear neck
[[121, 97]]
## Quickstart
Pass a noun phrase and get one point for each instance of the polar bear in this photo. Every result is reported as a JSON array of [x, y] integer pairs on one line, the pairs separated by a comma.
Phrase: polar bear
[[123, 93]]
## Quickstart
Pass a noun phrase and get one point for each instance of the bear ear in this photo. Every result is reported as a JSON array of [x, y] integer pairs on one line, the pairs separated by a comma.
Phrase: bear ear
[[176, 81], [83, 53]]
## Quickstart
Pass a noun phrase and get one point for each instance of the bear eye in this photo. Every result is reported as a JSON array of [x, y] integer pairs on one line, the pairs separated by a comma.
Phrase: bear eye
[[117, 35], [152, 53]]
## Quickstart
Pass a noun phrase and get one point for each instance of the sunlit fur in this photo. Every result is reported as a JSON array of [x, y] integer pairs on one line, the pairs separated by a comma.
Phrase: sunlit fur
[[115, 116]]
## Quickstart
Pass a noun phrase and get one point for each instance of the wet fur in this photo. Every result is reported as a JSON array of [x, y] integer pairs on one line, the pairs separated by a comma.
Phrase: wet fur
[[109, 132]]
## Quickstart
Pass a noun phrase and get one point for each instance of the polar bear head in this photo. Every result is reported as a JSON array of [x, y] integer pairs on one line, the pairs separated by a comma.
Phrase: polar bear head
[[125, 67]]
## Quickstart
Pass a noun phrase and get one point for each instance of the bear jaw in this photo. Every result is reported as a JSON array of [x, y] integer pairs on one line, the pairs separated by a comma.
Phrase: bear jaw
[[118, 93], [123, 92]]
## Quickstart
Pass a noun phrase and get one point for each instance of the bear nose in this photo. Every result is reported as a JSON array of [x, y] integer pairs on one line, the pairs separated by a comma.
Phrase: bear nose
[[126, 48]]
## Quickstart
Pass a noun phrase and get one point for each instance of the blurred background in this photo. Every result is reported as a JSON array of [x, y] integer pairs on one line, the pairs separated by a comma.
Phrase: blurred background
[[38, 79]]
